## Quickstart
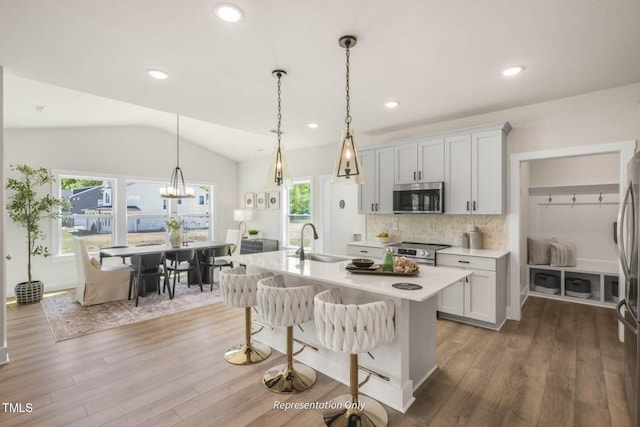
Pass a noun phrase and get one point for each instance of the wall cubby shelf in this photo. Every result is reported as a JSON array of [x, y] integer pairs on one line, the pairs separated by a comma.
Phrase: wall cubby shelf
[[603, 277]]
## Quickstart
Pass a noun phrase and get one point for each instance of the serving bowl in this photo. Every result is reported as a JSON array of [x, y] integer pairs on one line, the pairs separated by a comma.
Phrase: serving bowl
[[362, 262]]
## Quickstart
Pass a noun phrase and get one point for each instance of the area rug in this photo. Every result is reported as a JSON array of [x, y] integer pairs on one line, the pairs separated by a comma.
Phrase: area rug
[[68, 319]]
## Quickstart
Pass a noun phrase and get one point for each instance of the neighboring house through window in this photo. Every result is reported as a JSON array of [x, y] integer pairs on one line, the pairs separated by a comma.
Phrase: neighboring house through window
[[297, 212]]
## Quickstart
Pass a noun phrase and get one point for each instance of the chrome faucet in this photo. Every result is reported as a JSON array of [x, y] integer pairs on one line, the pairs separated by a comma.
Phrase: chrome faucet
[[315, 236]]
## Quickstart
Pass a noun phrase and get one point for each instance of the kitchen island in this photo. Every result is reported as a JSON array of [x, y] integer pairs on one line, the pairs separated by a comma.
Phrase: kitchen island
[[406, 361]]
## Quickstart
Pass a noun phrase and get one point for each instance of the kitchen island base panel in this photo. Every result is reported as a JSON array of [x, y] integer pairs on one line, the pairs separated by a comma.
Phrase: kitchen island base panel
[[407, 360]]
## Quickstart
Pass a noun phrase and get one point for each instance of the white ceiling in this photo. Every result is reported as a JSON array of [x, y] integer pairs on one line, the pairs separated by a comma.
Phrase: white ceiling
[[440, 59]]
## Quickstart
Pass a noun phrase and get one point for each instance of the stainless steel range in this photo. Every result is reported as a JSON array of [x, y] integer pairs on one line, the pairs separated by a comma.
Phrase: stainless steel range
[[422, 253]]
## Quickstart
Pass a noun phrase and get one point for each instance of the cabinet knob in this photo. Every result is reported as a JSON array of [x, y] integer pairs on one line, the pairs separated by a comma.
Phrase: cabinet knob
[[474, 205], [463, 262], [372, 207], [414, 176], [419, 175], [364, 252], [467, 205]]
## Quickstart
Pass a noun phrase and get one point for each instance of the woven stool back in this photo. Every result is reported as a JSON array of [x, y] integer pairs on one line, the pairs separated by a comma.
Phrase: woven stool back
[[352, 328]]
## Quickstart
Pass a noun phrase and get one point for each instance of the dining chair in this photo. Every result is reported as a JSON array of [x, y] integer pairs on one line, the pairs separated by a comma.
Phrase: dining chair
[[183, 261], [233, 238], [146, 267]]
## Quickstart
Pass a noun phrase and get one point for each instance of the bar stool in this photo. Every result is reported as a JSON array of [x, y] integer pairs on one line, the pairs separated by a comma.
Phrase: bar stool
[[239, 290], [287, 306], [354, 328]]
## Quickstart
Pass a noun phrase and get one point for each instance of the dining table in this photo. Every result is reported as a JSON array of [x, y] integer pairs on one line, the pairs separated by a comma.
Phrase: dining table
[[199, 245]]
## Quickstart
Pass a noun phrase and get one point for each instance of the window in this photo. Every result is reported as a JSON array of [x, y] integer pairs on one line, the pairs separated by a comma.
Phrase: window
[[97, 217], [90, 212], [147, 213], [298, 212]]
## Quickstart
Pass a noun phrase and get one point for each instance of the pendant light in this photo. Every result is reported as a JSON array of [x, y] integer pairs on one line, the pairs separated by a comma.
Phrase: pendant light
[[347, 169], [278, 171], [176, 188]]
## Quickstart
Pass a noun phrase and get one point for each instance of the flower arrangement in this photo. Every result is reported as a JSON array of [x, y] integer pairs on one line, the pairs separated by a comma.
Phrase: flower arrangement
[[174, 223]]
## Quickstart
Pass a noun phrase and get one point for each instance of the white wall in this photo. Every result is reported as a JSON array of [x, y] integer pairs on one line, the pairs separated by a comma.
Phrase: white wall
[[314, 162], [567, 171], [127, 151], [4, 356]]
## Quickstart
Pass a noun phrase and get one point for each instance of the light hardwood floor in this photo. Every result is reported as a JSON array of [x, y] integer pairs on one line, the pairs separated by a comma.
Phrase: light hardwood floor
[[560, 366]]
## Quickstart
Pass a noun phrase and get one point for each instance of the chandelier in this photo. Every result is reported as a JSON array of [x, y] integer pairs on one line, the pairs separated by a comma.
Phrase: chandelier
[[176, 188]]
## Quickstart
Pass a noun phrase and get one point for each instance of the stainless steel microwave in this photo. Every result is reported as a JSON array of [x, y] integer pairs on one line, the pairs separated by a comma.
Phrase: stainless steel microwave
[[425, 197]]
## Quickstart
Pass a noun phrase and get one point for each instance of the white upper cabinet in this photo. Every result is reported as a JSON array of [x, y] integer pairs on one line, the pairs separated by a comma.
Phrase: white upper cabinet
[[419, 162], [475, 172], [457, 183], [376, 194]]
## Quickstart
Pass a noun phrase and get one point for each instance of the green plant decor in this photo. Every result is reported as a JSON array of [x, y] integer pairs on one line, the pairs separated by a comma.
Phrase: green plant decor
[[27, 208], [174, 223], [253, 232]]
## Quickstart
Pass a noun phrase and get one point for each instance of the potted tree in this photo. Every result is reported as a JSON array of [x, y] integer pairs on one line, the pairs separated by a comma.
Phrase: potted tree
[[27, 208]]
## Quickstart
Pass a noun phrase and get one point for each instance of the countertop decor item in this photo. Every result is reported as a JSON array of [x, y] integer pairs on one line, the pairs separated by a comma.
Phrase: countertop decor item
[[177, 188], [382, 238], [278, 171], [27, 209], [362, 262], [347, 169], [253, 234], [475, 238]]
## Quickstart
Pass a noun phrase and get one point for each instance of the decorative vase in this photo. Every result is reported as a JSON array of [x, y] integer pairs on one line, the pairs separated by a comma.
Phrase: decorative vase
[[175, 238], [28, 292]]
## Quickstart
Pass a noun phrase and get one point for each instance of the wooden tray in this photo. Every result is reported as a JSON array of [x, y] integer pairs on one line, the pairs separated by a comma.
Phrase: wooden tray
[[380, 272]]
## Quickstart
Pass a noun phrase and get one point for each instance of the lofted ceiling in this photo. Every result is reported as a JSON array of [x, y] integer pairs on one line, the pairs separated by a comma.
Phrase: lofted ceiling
[[86, 62]]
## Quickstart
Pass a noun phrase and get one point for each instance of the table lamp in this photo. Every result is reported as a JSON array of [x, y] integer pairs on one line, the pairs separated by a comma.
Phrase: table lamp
[[242, 215]]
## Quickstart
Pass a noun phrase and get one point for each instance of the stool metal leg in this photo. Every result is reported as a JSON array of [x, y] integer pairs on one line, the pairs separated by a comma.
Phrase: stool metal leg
[[356, 411], [249, 352], [290, 377]]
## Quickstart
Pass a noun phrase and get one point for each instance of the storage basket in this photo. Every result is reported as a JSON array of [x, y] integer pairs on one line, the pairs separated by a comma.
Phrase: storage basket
[[27, 293], [579, 288], [546, 283]]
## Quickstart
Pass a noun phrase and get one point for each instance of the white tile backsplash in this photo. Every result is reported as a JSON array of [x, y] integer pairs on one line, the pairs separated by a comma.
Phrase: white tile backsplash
[[440, 228]]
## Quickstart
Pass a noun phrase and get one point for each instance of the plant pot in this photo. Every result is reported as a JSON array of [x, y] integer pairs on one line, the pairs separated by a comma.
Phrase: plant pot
[[29, 292], [175, 238]]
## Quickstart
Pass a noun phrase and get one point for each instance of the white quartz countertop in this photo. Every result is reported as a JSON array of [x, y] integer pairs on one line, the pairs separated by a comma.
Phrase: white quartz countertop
[[432, 279], [484, 253]]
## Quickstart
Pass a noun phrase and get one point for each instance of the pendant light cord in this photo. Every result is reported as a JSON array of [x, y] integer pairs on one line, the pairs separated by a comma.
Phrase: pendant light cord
[[347, 119], [279, 107], [177, 140]]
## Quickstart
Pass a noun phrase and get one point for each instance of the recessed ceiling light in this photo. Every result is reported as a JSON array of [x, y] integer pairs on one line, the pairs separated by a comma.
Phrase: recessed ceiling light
[[229, 13], [512, 71], [391, 104], [313, 125], [158, 74]]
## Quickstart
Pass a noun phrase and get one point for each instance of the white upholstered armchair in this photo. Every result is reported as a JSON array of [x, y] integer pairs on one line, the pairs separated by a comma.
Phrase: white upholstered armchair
[[97, 284]]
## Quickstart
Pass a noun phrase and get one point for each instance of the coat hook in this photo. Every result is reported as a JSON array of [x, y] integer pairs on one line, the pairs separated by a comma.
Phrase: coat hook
[[600, 198], [549, 197], [574, 197]]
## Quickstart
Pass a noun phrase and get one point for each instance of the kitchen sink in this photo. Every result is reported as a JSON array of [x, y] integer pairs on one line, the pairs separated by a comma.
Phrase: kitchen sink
[[322, 257]]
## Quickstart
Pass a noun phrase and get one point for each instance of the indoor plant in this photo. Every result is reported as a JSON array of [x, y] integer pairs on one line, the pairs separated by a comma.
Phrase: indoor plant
[[174, 228], [253, 234], [27, 208]]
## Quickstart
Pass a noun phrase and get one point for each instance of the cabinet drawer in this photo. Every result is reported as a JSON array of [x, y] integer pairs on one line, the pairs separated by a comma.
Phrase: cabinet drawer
[[479, 263], [364, 251]]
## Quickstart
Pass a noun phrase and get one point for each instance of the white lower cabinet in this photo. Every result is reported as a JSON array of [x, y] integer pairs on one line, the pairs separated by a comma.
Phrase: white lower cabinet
[[482, 298]]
